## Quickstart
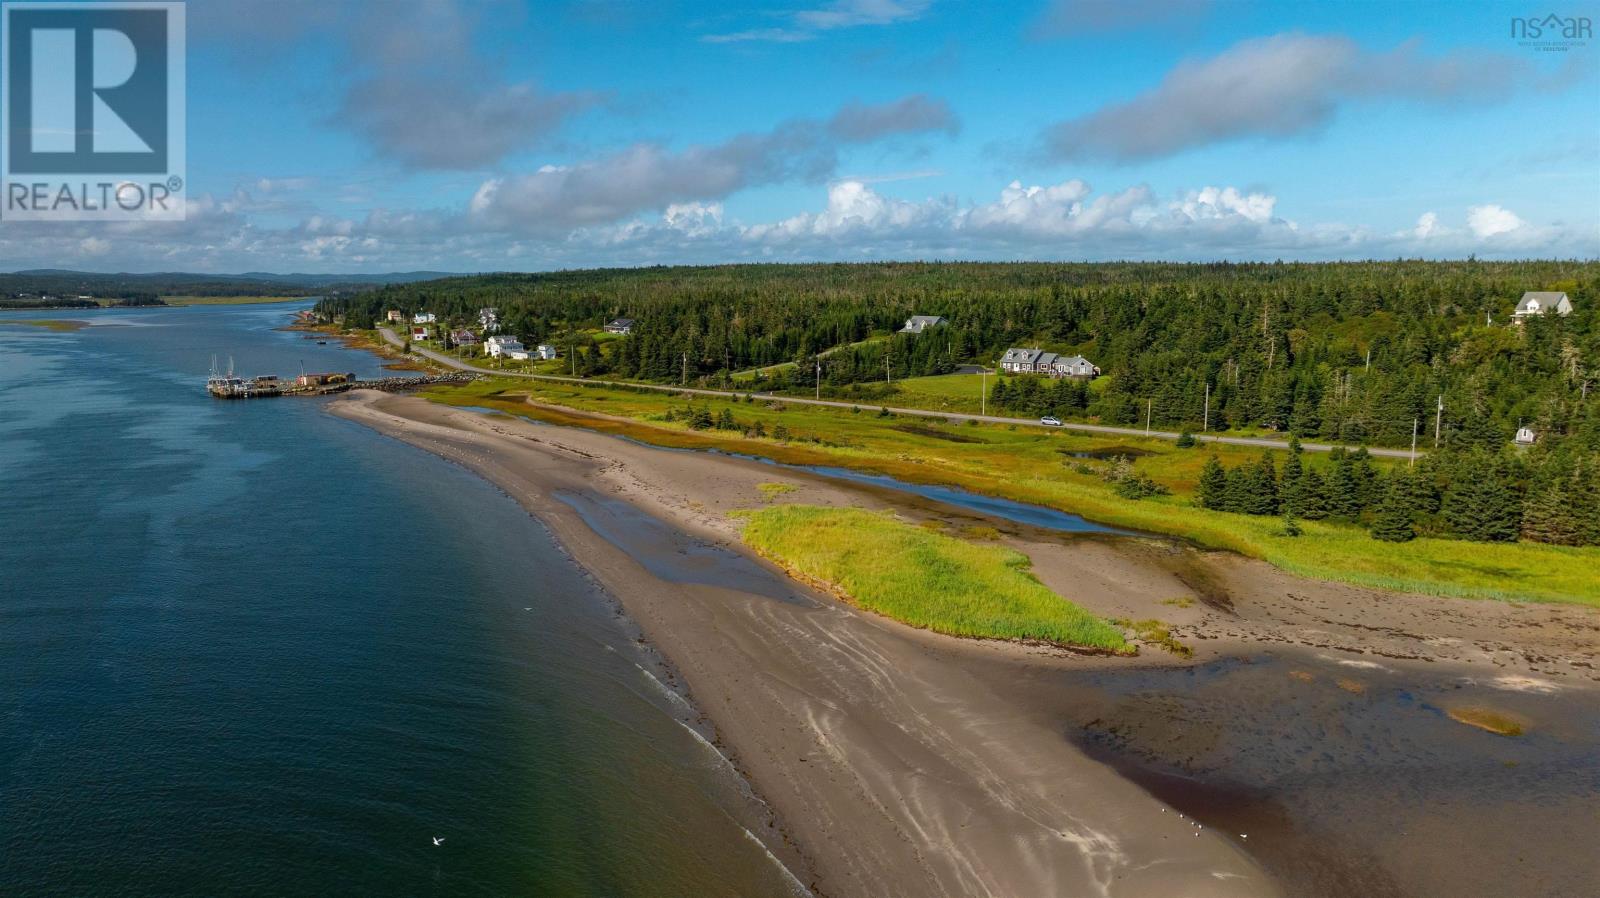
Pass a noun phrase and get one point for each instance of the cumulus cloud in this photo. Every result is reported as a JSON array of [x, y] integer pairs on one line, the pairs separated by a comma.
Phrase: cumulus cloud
[[650, 176], [1491, 220], [1277, 86], [804, 24], [1066, 17], [1065, 220]]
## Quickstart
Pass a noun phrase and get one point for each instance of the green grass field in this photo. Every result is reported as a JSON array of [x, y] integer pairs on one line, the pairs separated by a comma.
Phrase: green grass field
[[1060, 469], [923, 578]]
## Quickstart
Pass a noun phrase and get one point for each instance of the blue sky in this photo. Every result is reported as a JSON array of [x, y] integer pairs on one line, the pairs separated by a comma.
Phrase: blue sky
[[469, 136]]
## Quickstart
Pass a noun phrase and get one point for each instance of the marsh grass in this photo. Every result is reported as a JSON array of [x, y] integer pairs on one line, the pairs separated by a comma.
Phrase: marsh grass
[[923, 578], [1156, 632], [772, 491], [1487, 720], [1024, 465]]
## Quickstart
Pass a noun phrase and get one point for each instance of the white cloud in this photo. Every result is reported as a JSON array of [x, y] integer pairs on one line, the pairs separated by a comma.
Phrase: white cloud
[[1278, 86], [840, 14], [1065, 220], [1491, 220]]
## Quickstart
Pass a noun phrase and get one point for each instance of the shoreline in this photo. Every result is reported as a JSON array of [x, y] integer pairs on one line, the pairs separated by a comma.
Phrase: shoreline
[[875, 751], [862, 761]]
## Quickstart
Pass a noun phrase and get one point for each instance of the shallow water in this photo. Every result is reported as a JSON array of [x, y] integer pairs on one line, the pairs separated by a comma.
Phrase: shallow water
[[1348, 777], [249, 647]]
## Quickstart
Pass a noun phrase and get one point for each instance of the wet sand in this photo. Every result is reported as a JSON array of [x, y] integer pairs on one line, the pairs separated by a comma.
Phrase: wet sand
[[891, 771], [902, 763]]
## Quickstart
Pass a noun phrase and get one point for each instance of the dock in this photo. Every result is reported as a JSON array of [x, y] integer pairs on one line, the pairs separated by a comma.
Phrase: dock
[[230, 386]]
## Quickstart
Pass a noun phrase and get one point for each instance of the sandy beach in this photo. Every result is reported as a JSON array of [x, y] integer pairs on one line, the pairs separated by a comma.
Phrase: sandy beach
[[898, 762]]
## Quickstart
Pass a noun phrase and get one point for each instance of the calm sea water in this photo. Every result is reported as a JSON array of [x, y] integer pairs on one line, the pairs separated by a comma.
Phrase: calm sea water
[[249, 647]]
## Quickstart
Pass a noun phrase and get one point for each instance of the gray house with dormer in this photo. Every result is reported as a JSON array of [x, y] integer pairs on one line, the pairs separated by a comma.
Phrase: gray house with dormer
[[1037, 361], [1538, 302], [916, 324]]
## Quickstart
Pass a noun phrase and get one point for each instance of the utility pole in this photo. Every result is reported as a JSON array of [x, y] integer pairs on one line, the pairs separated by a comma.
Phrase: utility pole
[[887, 377], [685, 381], [1206, 423], [1438, 418], [1414, 426], [1369, 358], [1148, 405], [983, 391], [819, 378]]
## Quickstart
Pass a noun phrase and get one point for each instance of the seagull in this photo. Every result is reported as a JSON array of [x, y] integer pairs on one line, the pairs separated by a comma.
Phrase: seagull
[[437, 841]]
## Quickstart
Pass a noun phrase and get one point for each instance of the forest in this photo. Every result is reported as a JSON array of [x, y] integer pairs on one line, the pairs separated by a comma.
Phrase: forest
[[1355, 352]]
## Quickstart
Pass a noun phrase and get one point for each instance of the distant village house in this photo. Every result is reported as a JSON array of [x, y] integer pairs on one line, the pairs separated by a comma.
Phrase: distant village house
[[424, 318], [504, 347], [620, 326], [1538, 302], [395, 316], [489, 319], [546, 352], [1526, 436], [916, 324], [1037, 361], [419, 332], [464, 337]]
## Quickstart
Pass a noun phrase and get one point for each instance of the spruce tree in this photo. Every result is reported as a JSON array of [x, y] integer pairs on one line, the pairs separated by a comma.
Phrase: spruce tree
[[1212, 489], [1393, 522], [1481, 505], [1258, 493], [1343, 489], [1312, 496], [1293, 476], [1555, 503]]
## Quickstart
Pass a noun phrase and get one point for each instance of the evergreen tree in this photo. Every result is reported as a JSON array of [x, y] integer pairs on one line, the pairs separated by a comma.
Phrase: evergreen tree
[[1480, 505], [1393, 522], [1212, 489], [1258, 493], [1343, 489], [1293, 480], [1312, 496]]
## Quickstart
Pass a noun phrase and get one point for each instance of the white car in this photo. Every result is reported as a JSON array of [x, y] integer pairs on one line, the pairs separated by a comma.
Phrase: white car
[[1050, 421]]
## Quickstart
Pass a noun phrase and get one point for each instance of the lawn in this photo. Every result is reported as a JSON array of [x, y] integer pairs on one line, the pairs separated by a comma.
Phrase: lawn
[[922, 578], [1061, 470]]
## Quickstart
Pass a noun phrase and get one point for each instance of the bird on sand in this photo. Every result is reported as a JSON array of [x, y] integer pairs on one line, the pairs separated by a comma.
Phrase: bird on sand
[[437, 841]]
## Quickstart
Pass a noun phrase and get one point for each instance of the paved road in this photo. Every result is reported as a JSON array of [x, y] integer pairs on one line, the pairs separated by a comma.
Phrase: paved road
[[1260, 442]]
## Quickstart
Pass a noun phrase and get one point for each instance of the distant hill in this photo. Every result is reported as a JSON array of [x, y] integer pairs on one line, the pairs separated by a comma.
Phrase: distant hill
[[45, 285]]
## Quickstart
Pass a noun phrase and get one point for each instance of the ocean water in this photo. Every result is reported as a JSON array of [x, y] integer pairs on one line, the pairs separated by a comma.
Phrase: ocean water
[[251, 648]]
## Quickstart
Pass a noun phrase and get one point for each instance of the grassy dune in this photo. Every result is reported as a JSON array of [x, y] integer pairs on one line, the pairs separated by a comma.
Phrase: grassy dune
[[923, 578], [1041, 467]]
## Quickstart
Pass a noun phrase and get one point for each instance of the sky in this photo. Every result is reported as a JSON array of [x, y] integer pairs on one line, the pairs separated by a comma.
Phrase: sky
[[491, 135]]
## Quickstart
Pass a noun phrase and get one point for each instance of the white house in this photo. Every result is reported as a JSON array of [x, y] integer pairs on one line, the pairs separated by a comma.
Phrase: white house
[[1526, 436], [489, 319], [916, 324], [1037, 361], [620, 326], [424, 318], [395, 316], [1538, 302], [419, 333], [545, 351], [504, 347]]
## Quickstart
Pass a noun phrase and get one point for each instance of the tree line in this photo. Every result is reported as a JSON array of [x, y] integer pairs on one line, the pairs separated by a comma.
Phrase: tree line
[[1358, 352], [1544, 495]]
